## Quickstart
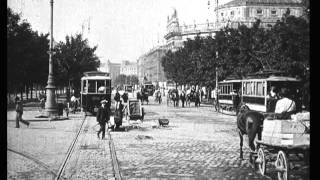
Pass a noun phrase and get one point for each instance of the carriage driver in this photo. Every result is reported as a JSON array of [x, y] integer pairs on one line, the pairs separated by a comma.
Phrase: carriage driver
[[285, 105]]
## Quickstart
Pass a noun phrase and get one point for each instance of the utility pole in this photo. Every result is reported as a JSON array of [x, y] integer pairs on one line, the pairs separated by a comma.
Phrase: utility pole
[[51, 106], [217, 93]]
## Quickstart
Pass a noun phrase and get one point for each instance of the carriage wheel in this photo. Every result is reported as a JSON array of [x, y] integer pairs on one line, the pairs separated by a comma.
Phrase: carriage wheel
[[282, 166], [261, 160]]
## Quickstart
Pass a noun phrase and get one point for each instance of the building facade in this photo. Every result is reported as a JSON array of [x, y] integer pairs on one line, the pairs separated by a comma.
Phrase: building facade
[[231, 14], [176, 34], [112, 68], [129, 68], [246, 12], [149, 66]]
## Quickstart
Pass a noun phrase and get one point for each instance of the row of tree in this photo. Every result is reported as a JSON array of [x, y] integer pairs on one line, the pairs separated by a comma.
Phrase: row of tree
[[28, 59], [284, 46], [124, 79]]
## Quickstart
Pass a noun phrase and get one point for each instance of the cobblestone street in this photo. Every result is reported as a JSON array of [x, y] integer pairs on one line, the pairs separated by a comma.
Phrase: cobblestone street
[[198, 144]]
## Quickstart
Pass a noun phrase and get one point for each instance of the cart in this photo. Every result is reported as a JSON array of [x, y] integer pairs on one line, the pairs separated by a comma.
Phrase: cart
[[135, 110], [279, 154]]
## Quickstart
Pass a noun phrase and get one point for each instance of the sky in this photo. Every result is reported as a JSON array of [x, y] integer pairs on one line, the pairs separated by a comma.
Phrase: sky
[[122, 29]]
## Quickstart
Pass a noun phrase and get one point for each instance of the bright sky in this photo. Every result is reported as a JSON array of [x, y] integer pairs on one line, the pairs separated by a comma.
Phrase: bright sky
[[122, 29]]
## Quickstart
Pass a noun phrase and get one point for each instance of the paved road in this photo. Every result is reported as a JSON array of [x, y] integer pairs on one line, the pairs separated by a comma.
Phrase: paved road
[[198, 144]]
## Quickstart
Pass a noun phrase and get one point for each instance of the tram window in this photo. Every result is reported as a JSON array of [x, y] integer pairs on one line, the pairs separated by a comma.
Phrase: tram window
[[101, 86], [248, 88], [259, 89], [92, 86], [108, 90], [85, 87]]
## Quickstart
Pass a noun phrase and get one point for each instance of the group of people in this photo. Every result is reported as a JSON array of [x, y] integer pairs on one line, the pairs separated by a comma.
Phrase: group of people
[[191, 95]]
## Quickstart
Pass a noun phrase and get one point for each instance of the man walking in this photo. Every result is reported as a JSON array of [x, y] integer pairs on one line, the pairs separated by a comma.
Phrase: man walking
[[103, 116], [117, 98], [19, 110], [182, 97]]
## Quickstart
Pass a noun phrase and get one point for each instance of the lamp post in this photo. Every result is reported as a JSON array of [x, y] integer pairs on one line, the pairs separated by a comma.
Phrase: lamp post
[[51, 106], [217, 89]]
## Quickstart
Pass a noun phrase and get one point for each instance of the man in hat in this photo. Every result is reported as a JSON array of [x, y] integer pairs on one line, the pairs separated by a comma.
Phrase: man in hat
[[103, 116], [19, 110], [284, 104]]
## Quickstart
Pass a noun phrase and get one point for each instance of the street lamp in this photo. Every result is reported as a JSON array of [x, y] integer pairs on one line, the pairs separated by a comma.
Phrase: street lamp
[[51, 106]]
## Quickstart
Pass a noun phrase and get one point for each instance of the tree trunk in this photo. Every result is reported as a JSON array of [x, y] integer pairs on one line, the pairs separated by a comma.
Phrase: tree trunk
[[31, 90], [21, 94], [36, 87]]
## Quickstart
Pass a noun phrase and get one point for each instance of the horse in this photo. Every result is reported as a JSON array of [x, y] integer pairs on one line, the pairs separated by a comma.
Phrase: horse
[[144, 97], [190, 97], [171, 97], [158, 97], [249, 122]]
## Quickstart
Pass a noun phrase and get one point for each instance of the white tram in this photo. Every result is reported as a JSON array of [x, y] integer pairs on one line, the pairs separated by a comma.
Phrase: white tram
[[95, 86], [254, 90]]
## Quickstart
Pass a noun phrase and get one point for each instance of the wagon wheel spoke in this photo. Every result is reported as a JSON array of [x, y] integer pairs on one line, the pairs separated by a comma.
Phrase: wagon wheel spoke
[[282, 166], [261, 161]]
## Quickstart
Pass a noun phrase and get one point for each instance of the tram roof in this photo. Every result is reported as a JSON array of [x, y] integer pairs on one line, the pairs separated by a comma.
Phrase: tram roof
[[274, 78], [96, 73], [95, 78], [231, 81]]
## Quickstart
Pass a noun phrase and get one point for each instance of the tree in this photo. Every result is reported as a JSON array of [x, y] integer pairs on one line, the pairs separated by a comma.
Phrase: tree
[[284, 47], [124, 79], [120, 80], [72, 59], [27, 54]]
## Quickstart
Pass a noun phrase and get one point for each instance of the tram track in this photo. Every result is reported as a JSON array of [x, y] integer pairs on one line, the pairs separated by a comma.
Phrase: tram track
[[69, 152], [115, 163], [31, 157]]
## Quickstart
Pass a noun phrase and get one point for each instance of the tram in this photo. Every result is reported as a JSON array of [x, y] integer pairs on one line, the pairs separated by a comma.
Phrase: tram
[[256, 87], [95, 86], [149, 88], [253, 90], [227, 90]]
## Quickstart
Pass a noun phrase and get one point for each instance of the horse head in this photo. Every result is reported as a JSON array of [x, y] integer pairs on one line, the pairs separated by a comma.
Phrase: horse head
[[243, 108]]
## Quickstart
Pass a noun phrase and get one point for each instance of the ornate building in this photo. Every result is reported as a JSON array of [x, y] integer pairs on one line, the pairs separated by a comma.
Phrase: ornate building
[[129, 68], [246, 12], [177, 34]]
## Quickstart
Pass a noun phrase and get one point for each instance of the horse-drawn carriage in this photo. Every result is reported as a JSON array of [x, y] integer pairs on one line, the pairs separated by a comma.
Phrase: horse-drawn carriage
[[135, 111], [283, 142]]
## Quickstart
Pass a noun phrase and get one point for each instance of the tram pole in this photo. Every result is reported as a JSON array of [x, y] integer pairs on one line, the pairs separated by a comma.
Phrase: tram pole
[[51, 105], [217, 93]]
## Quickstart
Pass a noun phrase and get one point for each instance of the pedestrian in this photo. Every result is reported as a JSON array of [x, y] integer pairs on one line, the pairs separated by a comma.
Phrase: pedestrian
[[183, 97], [272, 99], [66, 108], [125, 97], [197, 99], [236, 100], [119, 116], [19, 111], [117, 98], [103, 116]]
